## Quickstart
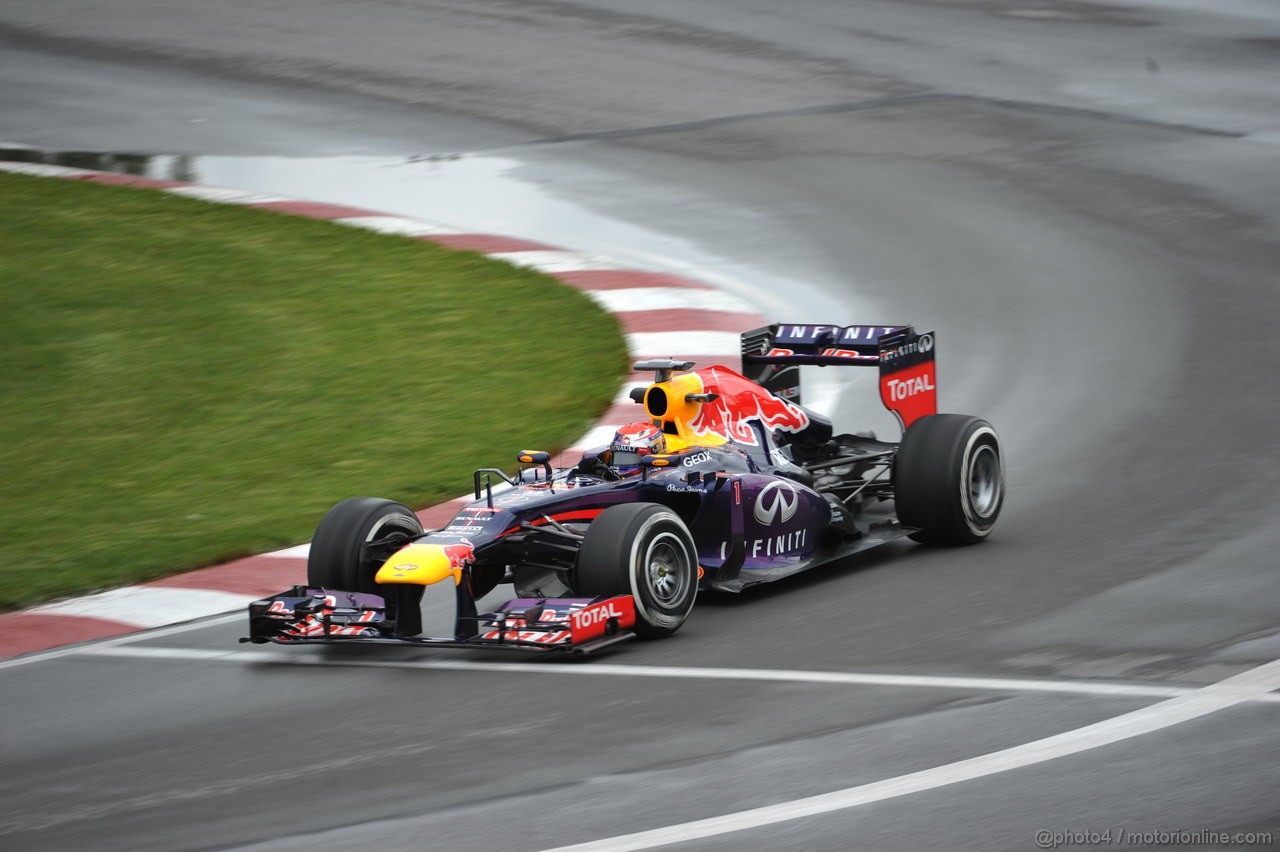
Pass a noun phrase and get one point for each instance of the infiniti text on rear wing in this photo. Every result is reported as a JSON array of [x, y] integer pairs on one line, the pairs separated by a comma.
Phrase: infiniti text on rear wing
[[772, 357]]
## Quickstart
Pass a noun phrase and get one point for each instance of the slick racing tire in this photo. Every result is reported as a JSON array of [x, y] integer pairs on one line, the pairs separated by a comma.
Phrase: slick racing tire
[[646, 551], [949, 479], [353, 541]]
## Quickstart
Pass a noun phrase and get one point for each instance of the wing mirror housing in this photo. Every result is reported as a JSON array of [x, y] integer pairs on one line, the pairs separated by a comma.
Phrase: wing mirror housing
[[538, 457]]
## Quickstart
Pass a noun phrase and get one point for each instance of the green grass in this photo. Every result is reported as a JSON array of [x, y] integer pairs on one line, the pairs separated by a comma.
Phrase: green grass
[[183, 383]]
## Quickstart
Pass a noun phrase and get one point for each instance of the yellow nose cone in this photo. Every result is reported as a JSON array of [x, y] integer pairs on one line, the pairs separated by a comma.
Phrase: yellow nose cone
[[424, 563]]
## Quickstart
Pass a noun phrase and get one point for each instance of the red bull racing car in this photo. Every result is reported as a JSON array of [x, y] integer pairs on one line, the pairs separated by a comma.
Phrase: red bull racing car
[[725, 481]]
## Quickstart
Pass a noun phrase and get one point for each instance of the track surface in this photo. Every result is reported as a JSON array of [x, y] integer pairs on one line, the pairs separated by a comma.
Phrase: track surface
[[1080, 197]]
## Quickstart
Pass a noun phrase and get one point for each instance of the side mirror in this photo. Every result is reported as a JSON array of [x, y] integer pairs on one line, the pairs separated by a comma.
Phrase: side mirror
[[536, 457], [648, 463]]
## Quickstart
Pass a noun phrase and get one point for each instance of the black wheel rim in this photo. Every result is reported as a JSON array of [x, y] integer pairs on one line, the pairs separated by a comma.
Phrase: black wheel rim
[[985, 484], [668, 570]]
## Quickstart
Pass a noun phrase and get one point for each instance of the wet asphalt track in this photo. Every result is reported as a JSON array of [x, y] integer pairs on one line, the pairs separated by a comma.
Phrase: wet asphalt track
[[1081, 198]]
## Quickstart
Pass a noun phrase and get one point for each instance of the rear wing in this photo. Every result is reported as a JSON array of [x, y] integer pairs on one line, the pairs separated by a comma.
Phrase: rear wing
[[772, 357]]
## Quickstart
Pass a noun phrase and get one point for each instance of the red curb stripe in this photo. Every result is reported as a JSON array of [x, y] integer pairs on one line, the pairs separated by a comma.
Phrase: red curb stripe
[[314, 210], [681, 319], [256, 575], [622, 279], [439, 515], [486, 243], [25, 632], [567, 459]]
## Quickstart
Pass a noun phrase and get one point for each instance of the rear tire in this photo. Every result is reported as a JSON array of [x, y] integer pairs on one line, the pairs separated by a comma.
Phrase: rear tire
[[949, 479], [353, 541], [646, 551]]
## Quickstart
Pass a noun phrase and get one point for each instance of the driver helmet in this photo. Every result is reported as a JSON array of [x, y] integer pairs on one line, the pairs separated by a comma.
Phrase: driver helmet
[[634, 441]]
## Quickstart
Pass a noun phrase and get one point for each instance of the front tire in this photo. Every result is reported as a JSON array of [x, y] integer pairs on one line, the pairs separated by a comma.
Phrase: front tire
[[644, 550], [350, 545], [949, 479]]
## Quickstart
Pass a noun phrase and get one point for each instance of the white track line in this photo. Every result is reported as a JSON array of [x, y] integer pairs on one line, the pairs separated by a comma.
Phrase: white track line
[[1068, 687], [1250, 685], [1187, 704], [100, 644]]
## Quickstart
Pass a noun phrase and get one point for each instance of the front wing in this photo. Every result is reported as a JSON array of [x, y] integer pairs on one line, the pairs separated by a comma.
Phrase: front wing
[[306, 615]]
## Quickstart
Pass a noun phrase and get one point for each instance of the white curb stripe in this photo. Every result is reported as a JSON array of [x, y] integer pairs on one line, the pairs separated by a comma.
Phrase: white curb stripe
[[631, 299], [169, 630], [679, 344], [552, 261], [148, 606], [300, 551], [398, 225], [596, 669], [624, 393], [220, 195], [45, 170]]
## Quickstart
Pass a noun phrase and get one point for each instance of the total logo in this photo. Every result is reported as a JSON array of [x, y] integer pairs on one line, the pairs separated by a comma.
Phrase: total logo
[[900, 390], [583, 619], [776, 503]]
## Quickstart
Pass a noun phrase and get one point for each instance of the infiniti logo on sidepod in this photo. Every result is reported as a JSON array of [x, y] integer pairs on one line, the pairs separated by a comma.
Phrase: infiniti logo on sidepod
[[777, 501]]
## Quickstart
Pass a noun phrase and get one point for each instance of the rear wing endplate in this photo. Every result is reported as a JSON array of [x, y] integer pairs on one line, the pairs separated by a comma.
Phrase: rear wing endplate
[[772, 357]]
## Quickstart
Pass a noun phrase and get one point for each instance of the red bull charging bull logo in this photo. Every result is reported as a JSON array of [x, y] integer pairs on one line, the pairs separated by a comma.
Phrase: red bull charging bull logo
[[740, 402], [459, 554]]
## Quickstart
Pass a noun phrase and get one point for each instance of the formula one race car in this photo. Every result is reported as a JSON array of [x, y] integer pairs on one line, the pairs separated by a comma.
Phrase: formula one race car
[[729, 482]]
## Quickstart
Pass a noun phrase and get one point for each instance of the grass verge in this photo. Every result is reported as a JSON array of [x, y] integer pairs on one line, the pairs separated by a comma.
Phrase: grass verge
[[183, 383]]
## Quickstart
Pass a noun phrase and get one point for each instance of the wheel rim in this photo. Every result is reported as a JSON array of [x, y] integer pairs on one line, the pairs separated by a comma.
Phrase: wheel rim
[[984, 481], [667, 570], [374, 553]]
